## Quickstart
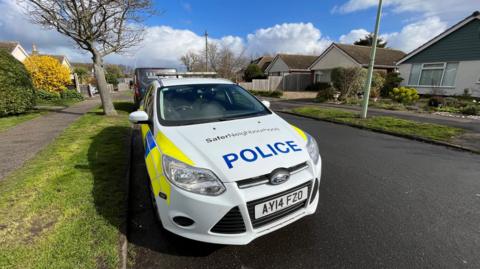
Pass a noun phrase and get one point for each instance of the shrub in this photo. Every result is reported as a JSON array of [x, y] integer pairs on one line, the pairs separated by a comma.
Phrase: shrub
[[71, 95], [470, 110], [82, 73], [392, 80], [317, 86], [348, 81], [112, 74], [325, 95], [404, 95], [377, 84], [47, 73], [47, 96], [16, 89], [435, 101], [276, 94], [253, 71], [452, 101]]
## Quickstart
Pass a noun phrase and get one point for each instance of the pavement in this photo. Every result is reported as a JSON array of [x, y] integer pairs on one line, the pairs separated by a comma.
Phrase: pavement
[[471, 139], [385, 202], [20, 143]]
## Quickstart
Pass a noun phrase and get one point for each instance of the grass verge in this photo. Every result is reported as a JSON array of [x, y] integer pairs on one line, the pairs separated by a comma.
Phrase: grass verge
[[382, 123], [58, 102], [11, 121], [65, 208]]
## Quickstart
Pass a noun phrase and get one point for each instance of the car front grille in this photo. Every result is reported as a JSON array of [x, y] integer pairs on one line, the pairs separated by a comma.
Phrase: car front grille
[[279, 214], [264, 179], [231, 223]]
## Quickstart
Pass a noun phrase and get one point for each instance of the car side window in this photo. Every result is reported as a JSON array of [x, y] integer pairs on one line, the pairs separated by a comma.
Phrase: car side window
[[148, 105]]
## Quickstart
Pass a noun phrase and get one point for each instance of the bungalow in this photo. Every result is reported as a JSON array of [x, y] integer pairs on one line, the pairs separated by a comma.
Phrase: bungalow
[[62, 59], [284, 64], [262, 62], [344, 55], [15, 49], [448, 64]]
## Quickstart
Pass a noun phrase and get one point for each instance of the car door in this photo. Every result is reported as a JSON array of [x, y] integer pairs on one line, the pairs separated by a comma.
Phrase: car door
[[152, 154]]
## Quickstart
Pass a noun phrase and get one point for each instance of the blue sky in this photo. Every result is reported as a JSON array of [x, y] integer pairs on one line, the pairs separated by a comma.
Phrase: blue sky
[[242, 17], [252, 28]]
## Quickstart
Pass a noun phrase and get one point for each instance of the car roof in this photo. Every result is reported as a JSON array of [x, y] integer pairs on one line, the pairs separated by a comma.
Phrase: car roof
[[188, 81]]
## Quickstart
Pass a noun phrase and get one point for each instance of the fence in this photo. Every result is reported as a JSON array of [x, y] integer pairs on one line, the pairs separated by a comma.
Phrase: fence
[[296, 82], [290, 82]]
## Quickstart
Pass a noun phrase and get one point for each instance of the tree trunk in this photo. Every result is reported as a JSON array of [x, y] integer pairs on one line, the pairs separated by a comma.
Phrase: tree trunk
[[107, 103]]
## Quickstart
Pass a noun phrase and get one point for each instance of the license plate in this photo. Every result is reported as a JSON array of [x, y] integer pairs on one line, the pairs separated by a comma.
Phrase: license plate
[[277, 204]]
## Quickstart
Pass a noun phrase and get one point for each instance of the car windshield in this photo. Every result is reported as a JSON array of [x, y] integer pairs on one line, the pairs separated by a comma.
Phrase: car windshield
[[191, 104]]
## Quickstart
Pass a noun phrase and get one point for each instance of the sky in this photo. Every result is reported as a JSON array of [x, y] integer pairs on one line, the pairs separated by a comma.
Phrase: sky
[[255, 28]]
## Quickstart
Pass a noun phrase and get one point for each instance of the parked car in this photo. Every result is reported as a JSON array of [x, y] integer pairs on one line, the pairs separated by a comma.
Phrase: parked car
[[144, 76], [223, 167]]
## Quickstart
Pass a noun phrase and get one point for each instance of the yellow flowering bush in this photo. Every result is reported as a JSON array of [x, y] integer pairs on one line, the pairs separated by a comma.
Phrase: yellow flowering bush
[[47, 73], [404, 95]]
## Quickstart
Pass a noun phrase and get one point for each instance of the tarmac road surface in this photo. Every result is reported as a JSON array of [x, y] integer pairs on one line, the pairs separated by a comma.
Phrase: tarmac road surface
[[385, 202]]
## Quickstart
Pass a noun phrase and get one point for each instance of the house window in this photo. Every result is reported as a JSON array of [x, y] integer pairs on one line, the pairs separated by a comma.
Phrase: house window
[[433, 74], [322, 76]]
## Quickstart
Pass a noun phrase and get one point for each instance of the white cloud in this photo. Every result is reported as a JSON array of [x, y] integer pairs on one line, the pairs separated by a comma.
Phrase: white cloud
[[410, 36], [353, 36], [163, 45], [415, 34], [448, 9], [14, 26], [287, 38]]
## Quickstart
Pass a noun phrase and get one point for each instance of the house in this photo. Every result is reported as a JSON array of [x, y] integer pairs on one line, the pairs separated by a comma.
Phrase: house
[[448, 64], [62, 59], [263, 62], [344, 55], [15, 49], [284, 64]]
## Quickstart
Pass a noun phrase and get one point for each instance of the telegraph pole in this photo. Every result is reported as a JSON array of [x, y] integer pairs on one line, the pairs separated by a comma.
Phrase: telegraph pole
[[206, 51], [368, 83]]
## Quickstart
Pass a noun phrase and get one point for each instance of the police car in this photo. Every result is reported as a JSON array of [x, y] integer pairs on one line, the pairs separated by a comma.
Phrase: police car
[[223, 167]]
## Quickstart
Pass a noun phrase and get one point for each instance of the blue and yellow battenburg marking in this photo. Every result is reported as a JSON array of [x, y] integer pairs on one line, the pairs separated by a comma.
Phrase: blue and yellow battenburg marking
[[154, 148], [300, 132]]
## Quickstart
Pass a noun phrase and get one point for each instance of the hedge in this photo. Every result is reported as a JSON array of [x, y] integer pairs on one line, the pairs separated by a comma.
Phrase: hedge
[[17, 94]]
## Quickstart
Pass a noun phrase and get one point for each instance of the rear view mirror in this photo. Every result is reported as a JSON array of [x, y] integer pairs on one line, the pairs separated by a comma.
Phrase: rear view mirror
[[138, 117], [266, 103]]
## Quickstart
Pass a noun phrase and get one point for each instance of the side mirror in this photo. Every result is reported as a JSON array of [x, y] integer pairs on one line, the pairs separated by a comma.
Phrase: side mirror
[[138, 117], [266, 103]]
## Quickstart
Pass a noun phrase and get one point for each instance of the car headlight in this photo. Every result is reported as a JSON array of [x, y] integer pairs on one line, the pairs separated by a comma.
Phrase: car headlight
[[193, 179], [312, 149]]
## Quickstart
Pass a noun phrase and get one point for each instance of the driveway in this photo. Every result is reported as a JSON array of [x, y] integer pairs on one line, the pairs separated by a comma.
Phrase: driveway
[[385, 202]]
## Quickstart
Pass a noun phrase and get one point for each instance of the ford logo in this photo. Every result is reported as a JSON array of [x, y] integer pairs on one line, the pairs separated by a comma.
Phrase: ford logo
[[279, 176]]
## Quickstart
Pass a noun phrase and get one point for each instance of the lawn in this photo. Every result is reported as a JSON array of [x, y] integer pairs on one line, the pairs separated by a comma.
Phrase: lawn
[[66, 207], [57, 102], [10, 121], [383, 123]]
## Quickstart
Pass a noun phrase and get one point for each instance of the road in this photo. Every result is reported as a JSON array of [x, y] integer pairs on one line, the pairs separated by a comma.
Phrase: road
[[385, 202]]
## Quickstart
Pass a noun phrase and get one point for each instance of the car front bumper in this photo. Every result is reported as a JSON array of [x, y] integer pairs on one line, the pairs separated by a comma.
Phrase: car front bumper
[[228, 218]]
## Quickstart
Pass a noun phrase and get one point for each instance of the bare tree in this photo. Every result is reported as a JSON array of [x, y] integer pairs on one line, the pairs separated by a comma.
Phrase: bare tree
[[221, 59], [100, 27], [191, 61]]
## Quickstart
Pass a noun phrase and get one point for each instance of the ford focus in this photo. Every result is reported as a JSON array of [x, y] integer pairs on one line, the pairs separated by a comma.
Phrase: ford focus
[[223, 167]]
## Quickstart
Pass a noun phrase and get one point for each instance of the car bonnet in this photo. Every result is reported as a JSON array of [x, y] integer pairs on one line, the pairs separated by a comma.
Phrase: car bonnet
[[242, 148]]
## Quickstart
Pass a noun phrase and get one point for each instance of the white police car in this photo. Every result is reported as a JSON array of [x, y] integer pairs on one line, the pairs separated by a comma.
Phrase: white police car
[[224, 168]]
